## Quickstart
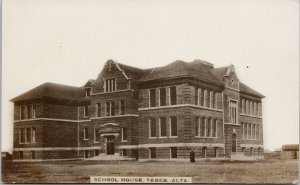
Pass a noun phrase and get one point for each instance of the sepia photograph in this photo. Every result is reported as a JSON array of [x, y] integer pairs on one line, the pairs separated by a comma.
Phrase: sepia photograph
[[138, 91]]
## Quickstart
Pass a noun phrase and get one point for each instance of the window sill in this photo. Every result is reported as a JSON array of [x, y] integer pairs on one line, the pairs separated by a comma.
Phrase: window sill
[[96, 142], [85, 139], [173, 136], [162, 137], [206, 137], [123, 141], [152, 137]]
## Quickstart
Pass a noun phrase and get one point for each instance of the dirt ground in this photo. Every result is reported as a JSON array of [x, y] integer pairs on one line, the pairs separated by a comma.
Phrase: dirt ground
[[267, 171]]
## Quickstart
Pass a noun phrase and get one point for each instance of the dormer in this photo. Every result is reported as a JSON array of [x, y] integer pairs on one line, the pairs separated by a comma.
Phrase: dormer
[[88, 88], [116, 77], [230, 78]]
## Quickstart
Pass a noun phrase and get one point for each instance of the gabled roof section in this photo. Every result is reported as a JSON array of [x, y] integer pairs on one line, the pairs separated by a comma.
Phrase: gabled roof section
[[52, 90], [130, 72], [89, 83], [248, 90], [198, 69], [220, 72]]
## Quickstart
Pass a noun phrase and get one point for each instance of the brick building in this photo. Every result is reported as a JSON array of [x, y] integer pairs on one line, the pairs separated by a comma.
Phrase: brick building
[[158, 113]]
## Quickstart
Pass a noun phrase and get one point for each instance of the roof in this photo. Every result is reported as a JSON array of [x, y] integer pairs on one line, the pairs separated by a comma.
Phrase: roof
[[52, 90], [290, 147], [197, 68], [219, 72], [223, 71], [246, 89], [131, 72]]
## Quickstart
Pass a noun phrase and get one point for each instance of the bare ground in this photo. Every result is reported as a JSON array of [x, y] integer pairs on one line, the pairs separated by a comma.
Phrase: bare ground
[[267, 171]]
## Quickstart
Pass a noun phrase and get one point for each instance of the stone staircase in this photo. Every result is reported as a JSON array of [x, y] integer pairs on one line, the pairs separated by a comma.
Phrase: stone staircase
[[105, 157]]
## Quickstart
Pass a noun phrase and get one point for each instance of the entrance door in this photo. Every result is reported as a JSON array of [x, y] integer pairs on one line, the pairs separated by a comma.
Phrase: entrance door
[[233, 142], [110, 145]]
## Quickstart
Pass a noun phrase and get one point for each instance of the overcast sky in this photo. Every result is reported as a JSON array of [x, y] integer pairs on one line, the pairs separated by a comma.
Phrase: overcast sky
[[68, 41]]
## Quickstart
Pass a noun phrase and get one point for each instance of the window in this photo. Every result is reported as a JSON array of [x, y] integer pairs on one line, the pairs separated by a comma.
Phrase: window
[[198, 125], [96, 152], [196, 96], [247, 107], [122, 107], [152, 98], [216, 152], [124, 134], [243, 149], [28, 135], [162, 97], [243, 130], [98, 105], [255, 109], [211, 102], [203, 125], [173, 152], [257, 135], [250, 131], [86, 153], [23, 112], [21, 135], [110, 108], [87, 92], [152, 129], [163, 127], [208, 128], [85, 134], [28, 112], [243, 106], [233, 112], [205, 98], [152, 153], [86, 111], [254, 132], [173, 126], [20, 154], [251, 108], [173, 95], [110, 85], [32, 154], [33, 111], [204, 152], [214, 126], [246, 131], [124, 152], [251, 151], [200, 97], [33, 140], [216, 101], [96, 135]]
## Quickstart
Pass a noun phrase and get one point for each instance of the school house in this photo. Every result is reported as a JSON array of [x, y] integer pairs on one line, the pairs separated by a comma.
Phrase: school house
[[158, 114]]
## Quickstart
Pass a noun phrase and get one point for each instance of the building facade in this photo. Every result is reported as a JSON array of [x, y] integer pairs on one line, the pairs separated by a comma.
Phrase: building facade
[[158, 114]]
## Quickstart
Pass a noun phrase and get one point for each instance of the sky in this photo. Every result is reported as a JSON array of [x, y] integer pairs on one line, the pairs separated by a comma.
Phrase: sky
[[68, 41]]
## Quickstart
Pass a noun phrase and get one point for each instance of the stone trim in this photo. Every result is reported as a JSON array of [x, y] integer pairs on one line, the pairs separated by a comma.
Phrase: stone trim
[[126, 115], [124, 90], [180, 105], [55, 148], [52, 119], [159, 145], [252, 145], [260, 117]]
